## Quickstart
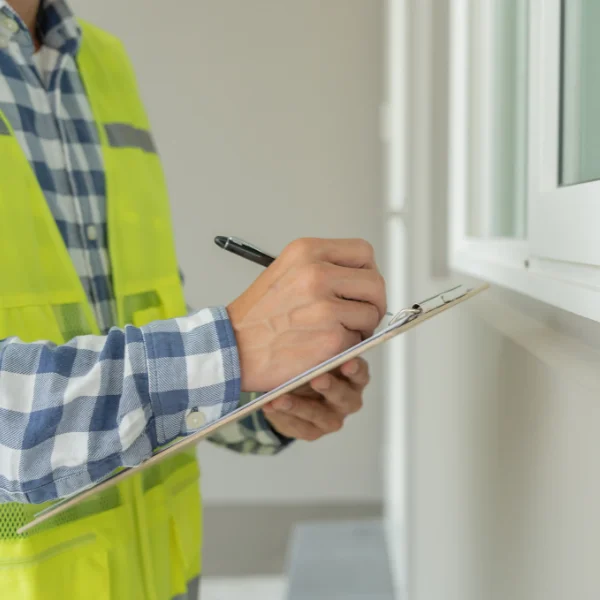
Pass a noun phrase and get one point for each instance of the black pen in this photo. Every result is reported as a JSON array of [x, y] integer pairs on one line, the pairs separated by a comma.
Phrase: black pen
[[244, 249]]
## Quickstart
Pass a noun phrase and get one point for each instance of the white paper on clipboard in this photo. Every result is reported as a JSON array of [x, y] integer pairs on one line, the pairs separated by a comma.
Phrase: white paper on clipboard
[[402, 321]]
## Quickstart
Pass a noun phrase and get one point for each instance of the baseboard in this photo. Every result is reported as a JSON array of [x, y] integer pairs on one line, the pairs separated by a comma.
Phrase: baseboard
[[248, 540]]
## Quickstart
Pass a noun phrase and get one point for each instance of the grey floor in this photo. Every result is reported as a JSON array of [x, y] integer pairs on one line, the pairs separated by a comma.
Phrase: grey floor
[[244, 588], [339, 561]]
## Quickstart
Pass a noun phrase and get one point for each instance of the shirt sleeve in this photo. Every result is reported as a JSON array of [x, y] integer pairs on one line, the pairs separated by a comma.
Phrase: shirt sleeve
[[71, 414], [251, 435]]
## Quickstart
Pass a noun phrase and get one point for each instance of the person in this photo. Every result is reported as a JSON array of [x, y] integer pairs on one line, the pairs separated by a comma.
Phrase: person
[[100, 363]]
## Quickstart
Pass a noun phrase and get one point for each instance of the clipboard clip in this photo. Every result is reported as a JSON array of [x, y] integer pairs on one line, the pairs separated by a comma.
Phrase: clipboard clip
[[440, 300], [407, 314]]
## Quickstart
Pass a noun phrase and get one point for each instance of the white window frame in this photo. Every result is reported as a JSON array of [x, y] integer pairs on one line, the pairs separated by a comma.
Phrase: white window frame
[[558, 260]]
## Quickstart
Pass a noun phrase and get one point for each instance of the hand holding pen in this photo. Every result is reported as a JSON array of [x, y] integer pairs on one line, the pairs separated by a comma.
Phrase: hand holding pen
[[323, 297]]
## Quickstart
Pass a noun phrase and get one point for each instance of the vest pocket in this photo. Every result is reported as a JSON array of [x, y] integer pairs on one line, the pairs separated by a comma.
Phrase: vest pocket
[[143, 317], [76, 568], [30, 323], [186, 525], [92, 557], [186, 534], [174, 513]]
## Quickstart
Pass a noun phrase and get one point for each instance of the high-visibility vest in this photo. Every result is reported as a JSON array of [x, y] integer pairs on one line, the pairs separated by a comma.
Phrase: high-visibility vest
[[140, 540]]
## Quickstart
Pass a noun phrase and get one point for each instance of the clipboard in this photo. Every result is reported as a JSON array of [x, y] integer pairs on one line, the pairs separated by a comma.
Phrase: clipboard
[[402, 321]]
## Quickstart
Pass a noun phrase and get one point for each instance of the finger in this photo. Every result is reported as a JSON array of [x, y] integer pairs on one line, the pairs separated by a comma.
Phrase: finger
[[351, 319], [317, 413], [355, 253], [339, 394], [357, 316], [357, 373], [360, 285], [268, 408], [293, 427]]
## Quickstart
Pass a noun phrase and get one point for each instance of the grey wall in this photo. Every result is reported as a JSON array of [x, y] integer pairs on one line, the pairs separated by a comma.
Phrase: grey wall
[[504, 418], [266, 114]]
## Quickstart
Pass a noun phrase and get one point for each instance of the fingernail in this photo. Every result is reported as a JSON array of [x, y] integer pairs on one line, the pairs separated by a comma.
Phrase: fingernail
[[323, 384], [352, 369], [284, 404]]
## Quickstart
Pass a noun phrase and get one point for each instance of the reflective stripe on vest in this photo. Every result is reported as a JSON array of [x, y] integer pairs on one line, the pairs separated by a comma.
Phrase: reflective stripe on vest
[[125, 136], [142, 539]]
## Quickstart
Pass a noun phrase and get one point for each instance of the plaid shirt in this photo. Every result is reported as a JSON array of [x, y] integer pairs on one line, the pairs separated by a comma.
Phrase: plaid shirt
[[71, 414]]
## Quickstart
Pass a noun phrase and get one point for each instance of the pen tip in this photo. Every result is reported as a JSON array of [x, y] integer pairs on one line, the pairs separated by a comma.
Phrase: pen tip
[[221, 241]]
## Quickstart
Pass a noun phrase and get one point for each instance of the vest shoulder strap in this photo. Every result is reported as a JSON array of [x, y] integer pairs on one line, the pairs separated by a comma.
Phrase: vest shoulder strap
[[109, 79]]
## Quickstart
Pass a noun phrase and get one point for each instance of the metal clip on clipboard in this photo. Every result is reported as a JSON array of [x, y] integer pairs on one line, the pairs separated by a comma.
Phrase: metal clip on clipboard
[[430, 304]]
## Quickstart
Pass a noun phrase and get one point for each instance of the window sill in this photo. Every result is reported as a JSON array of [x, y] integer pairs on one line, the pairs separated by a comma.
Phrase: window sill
[[570, 287]]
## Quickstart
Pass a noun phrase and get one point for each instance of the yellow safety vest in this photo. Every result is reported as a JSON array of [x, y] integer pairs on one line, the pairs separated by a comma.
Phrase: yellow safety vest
[[140, 540]]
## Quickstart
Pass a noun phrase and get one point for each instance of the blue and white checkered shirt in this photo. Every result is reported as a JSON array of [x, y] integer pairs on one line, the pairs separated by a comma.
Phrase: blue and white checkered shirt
[[71, 414]]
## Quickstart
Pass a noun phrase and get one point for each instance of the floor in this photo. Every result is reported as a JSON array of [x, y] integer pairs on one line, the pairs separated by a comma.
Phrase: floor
[[243, 588], [339, 561]]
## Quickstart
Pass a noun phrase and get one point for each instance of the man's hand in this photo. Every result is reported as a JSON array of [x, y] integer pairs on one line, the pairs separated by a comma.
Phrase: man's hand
[[317, 299], [309, 416]]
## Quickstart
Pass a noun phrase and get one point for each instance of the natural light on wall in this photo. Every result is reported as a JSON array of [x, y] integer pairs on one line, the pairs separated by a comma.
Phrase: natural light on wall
[[524, 153]]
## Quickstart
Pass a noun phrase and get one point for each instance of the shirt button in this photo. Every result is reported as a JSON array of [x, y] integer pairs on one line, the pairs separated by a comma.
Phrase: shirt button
[[92, 233], [195, 420], [10, 24]]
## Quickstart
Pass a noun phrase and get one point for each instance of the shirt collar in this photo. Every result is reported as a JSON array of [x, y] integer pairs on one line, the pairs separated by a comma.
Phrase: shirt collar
[[57, 25]]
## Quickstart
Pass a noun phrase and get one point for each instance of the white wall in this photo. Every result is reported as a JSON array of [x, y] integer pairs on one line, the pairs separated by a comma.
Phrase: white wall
[[266, 115], [503, 418]]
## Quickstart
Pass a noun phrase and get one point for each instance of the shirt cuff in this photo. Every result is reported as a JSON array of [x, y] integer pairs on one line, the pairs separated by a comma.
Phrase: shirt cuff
[[193, 371], [260, 427], [283, 440]]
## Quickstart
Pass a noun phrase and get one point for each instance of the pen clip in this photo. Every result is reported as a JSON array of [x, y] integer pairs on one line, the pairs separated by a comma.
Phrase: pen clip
[[241, 242]]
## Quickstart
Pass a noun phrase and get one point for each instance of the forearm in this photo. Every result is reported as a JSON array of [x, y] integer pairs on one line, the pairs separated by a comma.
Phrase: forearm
[[72, 414]]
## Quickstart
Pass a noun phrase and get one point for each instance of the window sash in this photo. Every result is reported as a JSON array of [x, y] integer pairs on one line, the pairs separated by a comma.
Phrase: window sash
[[564, 221], [558, 261]]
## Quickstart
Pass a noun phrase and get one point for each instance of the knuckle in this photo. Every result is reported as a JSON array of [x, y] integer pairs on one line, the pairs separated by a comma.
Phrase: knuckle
[[380, 291], [312, 435], [312, 413], [382, 287], [366, 248], [363, 368], [374, 316], [378, 282], [313, 278], [300, 248], [337, 424]]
